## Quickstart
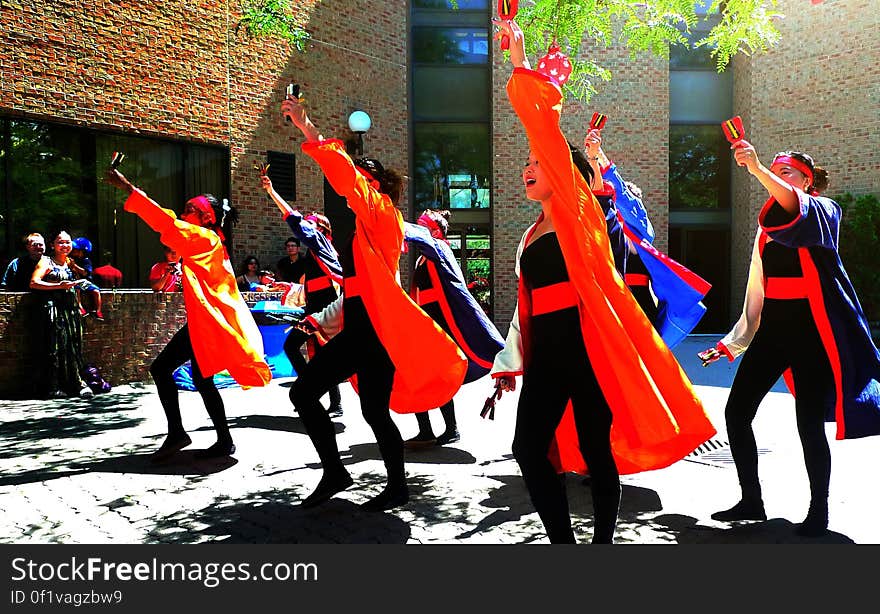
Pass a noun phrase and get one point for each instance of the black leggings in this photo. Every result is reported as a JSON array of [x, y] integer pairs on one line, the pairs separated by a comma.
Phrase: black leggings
[[549, 382], [177, 352], [292, 345], [786, 338], [356, 350]]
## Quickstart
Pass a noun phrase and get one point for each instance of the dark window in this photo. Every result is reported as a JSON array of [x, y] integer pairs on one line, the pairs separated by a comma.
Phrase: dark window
[[53, 178], [451, 45], [450, 93], [699, 168], [282, 172], [706, 251], [451, 166]]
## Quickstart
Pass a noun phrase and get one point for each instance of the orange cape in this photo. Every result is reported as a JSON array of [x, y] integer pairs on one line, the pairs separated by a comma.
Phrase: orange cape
[[223, 332], [429, 367], [658, 418]]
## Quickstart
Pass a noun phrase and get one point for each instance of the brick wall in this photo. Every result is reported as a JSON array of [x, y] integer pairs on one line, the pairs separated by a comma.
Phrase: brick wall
[[179, 70], [137, 326]]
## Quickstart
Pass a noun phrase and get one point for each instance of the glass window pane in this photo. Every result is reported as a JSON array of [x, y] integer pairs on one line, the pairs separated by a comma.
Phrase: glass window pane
[[684, 57], [157, 168], [451, 164], [47, 183], [700, 96], [699, 168], [451, 45], [450, 93]]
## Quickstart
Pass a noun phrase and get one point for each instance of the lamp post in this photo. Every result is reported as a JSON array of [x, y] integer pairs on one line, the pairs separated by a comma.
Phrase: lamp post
[[359, 122]]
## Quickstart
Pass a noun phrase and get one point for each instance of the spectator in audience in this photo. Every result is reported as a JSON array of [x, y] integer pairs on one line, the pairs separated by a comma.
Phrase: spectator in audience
[[107, 275], [250, 275], [291, 267], [17, 277], [81, 264], [166, 276], [61, 330]]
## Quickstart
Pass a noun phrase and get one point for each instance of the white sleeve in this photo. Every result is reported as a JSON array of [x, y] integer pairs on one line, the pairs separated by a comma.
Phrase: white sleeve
[[509, 361], [329, 320], [737, 340]]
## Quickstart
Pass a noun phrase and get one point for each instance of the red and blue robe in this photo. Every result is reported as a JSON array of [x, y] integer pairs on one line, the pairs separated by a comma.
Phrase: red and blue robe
[[843, 328], [471, 329], [679, 291]]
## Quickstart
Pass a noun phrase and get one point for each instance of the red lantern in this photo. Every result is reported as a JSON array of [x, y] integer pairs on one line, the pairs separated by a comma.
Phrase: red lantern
[[555, 64]]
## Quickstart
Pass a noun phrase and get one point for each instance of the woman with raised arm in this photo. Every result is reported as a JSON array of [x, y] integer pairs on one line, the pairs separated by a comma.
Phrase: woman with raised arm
[[801, 319], [322, 274], [601, 391], [220, 333], [385, 335]]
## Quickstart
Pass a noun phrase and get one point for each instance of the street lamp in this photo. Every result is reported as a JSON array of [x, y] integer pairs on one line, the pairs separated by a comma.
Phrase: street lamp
[[359, 122]]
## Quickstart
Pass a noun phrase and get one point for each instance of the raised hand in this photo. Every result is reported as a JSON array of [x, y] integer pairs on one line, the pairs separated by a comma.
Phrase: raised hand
[[509, 28]]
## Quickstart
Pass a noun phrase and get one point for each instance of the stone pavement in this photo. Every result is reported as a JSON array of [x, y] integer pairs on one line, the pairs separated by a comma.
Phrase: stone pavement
[[73, 471]]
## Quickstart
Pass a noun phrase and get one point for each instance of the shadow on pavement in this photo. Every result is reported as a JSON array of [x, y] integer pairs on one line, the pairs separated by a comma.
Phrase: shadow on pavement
[[685, 530], [182, 463], [274, 517], [440, 455], [287, 424], [69, 419]]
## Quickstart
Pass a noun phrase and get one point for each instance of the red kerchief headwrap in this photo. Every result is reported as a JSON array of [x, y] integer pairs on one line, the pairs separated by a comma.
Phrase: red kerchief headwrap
[[428, 222], [795, 164], [201, 203]]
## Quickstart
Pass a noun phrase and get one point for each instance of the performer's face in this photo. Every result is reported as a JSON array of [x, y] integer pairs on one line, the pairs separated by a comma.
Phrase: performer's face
[[536, 182], [791, 176], [194, 215]]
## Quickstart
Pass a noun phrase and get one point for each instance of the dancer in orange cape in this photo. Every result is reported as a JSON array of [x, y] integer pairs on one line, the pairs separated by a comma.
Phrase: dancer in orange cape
[[220, 333], [596, 375], [385, 335]]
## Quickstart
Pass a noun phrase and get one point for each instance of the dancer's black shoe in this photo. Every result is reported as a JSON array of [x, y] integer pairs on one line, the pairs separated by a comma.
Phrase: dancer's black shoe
[[218, 450], [390, 497], [744, 510], [335, 411], [330, 484], [170, 447], [450, 436], [816, 522]]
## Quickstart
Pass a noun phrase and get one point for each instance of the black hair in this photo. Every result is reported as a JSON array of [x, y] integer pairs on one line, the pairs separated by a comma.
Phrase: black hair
[[291, 240], [248, 260], [390, 181], [580, 161], [820, 175]]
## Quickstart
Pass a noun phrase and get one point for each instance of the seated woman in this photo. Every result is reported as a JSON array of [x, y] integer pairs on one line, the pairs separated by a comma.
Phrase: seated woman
[[249, 274]]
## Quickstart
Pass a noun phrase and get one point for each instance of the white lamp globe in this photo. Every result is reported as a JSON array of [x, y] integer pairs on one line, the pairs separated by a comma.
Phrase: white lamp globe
[[359, 122]]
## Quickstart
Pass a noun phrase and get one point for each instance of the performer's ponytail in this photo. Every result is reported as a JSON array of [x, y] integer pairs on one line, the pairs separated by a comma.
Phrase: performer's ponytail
[[581, 162]]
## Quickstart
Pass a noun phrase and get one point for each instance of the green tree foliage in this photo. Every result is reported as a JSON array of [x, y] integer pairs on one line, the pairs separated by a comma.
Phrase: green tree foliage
[[648, 26], [272, 18], [859, 245]]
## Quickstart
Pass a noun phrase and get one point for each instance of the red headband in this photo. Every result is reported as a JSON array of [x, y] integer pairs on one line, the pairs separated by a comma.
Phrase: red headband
[[431, 224], [370, 179], [201, 203], [795, 164]]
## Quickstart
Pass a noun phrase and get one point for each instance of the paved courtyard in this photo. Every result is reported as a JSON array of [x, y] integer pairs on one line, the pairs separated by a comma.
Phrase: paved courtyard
[[73, 471]]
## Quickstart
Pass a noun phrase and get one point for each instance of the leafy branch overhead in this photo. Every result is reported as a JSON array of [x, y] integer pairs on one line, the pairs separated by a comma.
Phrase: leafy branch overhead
[[272, 18], [725, 27]]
